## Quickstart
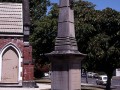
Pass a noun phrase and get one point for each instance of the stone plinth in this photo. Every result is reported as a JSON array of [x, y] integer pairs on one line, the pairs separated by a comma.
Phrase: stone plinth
[[66, 71]]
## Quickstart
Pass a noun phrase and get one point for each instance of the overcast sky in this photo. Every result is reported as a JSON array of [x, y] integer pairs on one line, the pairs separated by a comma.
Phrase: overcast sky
[[102, 4]]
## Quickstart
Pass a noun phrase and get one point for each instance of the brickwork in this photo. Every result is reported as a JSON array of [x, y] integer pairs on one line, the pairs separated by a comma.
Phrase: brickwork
[[28, 53], [14, 32], [16, 41], [28, 64], [28, 72], [28, 67]]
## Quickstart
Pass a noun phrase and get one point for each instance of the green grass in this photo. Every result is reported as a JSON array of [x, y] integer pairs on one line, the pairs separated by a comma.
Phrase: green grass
[[83, 87]]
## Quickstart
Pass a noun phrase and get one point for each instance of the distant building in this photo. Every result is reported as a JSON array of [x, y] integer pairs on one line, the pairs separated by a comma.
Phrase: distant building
[[117, 72], [15, 52]]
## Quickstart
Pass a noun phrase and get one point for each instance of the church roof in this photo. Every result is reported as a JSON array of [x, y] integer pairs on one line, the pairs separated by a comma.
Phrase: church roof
[[11, 18]]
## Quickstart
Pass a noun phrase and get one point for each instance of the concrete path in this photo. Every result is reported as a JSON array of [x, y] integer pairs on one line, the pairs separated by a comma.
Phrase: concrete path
[[41, 87]]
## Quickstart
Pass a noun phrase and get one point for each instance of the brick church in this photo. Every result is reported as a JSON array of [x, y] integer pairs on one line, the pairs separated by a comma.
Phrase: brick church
[[16, 66]]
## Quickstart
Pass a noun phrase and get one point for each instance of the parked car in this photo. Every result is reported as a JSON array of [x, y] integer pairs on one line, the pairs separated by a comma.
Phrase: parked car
[[91, 74], [102, 80], [96, 75], [46, 74]]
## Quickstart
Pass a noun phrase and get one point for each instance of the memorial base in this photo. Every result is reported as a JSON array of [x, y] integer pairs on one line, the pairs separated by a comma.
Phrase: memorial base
[[66, 71]]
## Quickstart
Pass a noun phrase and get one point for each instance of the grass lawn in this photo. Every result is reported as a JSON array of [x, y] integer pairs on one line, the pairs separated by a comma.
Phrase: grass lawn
[[84, 87]]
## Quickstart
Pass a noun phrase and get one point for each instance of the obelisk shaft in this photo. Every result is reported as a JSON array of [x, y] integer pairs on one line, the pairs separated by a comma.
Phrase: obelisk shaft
[[65, 40], [66, 59]]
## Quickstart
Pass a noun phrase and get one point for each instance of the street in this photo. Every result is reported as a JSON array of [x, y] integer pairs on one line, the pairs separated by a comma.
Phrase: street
[[115, 82]]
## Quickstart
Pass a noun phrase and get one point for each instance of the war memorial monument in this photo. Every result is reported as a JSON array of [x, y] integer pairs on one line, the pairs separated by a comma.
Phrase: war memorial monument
[[66, 59]]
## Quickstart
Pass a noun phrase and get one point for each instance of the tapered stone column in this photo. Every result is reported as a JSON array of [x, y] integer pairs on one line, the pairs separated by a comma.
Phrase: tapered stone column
[[66, 59]]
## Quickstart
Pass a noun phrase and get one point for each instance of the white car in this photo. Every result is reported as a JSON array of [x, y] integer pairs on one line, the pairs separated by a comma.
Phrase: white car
[[102, 80], [46, 74], [90, 74]]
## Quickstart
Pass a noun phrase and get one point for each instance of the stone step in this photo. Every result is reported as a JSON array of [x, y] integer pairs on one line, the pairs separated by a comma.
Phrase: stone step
[[16, 85]]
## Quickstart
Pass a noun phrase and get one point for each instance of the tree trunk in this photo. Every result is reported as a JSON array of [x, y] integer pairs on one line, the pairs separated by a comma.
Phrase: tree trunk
[[86, 77], [108, 85]]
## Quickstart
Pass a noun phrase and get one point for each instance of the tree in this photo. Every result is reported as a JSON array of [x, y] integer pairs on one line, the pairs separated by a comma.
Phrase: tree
[[38, 9], [85, 14], [43, 36], [97, 34], [104, 47]]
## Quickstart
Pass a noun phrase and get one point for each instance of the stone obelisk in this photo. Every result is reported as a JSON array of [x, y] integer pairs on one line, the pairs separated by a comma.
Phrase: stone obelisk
[[66, 59]]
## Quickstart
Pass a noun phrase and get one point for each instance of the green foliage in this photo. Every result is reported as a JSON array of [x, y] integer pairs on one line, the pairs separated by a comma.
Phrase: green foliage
[[98, 35], [104, 47], [84, 17], [38, 9], [43, 37]]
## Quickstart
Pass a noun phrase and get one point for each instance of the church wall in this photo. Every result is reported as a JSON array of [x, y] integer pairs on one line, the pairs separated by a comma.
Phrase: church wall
[[27, 64]]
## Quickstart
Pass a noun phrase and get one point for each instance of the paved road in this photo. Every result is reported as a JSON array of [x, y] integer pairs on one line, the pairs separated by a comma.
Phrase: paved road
[[115, 82]]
